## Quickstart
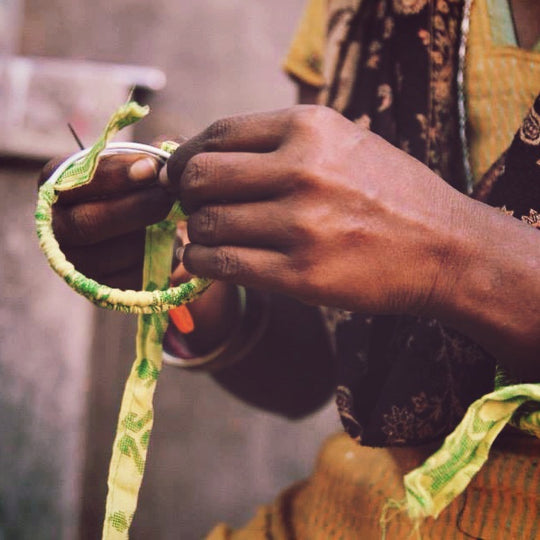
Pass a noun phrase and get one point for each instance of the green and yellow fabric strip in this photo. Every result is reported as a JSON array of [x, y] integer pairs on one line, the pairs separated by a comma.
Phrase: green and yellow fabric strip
[[442, 477], [136, 411]]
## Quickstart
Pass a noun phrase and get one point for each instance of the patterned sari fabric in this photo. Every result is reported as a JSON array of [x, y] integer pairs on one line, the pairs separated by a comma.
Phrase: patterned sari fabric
[[392, 67]]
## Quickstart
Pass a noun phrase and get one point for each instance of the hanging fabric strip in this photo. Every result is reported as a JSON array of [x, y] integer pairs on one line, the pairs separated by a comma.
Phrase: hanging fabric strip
[[136, 412]]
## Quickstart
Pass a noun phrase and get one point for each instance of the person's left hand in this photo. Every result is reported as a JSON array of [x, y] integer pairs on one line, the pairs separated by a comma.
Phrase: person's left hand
[[306, 203]]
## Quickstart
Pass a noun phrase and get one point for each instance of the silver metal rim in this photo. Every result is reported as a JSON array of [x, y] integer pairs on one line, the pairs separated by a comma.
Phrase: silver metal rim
[[111, 149]]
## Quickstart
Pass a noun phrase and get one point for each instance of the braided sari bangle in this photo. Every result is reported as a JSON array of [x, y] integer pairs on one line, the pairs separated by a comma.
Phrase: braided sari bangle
[[76, 171]]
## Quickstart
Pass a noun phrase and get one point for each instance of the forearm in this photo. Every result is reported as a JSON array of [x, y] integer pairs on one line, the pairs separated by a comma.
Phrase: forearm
[[494, 292], [291, 370]]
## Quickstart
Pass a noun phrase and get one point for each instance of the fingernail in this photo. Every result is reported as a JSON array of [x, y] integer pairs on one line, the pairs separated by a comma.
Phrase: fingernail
[[179, 253], [143, 169], [163, 178]]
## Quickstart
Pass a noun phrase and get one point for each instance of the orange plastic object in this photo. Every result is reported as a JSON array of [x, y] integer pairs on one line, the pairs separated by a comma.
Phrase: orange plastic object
[[182, 319]]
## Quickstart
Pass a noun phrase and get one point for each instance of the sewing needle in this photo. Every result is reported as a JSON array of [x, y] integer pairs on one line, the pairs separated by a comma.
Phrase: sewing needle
[[76, 137]]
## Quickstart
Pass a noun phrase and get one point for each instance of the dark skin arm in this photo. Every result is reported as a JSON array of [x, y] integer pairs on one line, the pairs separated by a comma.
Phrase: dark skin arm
[[526, 15]]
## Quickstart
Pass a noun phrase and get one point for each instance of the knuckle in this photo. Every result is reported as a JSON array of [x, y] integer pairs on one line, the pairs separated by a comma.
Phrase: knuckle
[[305, 174], [202, 225], [309, 276], [198, 169], [216, 133], [303, 235], [226, 263], [310, 116], [193, 173], [297, 274], [296, 228], [317, 174]]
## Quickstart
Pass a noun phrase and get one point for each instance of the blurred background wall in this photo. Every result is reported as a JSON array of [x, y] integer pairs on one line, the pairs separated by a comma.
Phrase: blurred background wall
[[63, 362]]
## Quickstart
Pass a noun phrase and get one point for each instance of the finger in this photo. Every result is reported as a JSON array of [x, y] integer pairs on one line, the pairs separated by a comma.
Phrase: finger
[[115, 175], [256, 225], [112, 256], [245, 266], [259, 132], [90, 223], [214, 177]]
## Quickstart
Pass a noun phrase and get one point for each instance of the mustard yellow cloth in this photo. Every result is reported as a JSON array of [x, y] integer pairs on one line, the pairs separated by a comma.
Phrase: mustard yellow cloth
[[304, 60], [344, 497], [501, 82]]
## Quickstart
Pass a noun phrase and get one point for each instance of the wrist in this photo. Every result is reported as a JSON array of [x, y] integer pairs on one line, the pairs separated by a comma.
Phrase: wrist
[[467, 266], [454, 249], [444, 250], [489, 289], [215, 315]]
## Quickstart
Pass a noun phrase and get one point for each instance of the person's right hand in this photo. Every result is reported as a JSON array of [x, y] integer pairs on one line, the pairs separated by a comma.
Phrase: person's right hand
[[101, 226]]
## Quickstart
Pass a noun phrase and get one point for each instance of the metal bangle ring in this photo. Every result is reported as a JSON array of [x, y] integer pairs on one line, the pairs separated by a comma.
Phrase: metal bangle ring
[[110, 149]]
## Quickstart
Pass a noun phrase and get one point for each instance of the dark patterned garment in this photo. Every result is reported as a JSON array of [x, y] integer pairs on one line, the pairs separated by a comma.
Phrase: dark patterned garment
[[393, 68]]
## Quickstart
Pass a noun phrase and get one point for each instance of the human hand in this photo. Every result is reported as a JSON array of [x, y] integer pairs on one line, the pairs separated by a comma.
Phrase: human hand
[[307, 203], [101, 226], [101, 229]]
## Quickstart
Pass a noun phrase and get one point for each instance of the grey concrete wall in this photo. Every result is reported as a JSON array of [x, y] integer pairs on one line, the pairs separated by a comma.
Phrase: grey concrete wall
[[63, 362], [45, 337]]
